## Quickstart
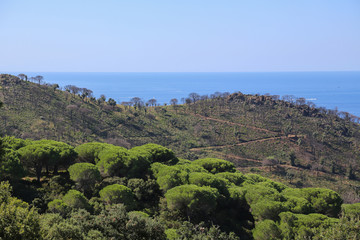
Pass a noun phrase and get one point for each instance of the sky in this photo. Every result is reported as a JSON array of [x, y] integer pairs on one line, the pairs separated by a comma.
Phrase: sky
[[179, 35]]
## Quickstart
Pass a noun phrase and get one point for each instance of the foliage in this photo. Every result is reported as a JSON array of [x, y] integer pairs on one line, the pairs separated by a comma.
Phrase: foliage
[[236, 178], [322, 201], [351, 210], [211, 180], [192, 200], [75, 200], [85, 175], [266, 230], [154, 153], [89, 152], [115, 194], [198, 232], [214, 165], [113, 161], [17, 219]]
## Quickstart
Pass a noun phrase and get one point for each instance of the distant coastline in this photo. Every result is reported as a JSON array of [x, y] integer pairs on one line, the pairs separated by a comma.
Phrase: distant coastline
[[326, 89]]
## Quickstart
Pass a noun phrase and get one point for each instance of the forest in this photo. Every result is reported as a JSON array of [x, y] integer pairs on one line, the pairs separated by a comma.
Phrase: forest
[[51, 190], [224, 166]]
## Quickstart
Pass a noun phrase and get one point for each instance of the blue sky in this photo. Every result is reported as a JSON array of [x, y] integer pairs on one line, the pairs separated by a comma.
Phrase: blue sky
[[179, 35]]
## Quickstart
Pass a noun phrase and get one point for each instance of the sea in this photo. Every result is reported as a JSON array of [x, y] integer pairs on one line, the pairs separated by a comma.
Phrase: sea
[[331, 90]]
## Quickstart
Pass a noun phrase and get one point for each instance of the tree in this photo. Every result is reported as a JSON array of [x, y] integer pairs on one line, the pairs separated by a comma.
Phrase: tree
[[23, 76], [292, 157], [89, 152], [17, 219], [62, 154], [72, 89], [266, 229], [152, 102], [39, 79], [35, 156], [192, 200], [113, 161], [10, 165], [214, 165], [116, 193], [174, 101], [194, 97], [75, 200], [211, 180], [350, 173], [153, 153], [112, 102], [270, 162], [85, 175], [137, 102]]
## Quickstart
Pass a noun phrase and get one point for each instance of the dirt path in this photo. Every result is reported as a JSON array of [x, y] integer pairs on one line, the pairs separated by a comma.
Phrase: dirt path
[[236, 124], [238, 144]]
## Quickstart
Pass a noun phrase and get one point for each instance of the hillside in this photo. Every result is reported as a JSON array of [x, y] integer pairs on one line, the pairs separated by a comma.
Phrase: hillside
[[287, 140]]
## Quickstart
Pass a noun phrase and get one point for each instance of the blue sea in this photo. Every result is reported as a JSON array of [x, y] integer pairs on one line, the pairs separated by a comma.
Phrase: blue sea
[[325, 89]]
